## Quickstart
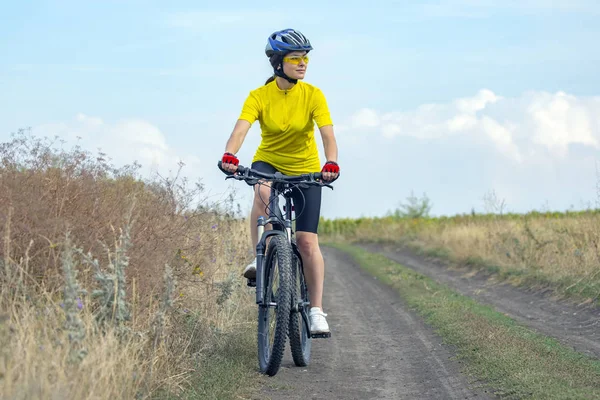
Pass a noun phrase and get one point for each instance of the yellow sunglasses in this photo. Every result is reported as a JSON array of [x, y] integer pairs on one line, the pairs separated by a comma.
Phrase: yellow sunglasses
[[296, 59]]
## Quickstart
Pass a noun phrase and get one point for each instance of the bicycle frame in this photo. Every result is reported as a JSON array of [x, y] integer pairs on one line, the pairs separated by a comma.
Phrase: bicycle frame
[[280, 185]]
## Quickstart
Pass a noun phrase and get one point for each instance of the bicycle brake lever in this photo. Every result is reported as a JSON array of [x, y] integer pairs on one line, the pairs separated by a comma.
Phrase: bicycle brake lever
[[235, 175], [324, 183]]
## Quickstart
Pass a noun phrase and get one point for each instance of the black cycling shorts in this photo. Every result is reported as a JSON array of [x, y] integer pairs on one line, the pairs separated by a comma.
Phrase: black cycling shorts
[[306, 201]]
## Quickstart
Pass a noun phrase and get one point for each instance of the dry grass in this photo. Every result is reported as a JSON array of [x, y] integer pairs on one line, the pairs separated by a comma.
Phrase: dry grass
[[559, 249], [37, 362], [111, 286]]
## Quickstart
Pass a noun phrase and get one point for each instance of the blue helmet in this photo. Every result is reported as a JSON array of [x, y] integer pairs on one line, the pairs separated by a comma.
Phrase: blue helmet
[[285, 41]]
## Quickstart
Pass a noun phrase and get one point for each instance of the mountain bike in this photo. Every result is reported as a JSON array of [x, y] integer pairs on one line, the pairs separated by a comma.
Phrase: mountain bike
[[288, 297]]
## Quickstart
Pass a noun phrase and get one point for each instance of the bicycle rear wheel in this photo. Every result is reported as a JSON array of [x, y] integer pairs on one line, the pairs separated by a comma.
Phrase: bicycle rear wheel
[[299, 333], [274, 314]]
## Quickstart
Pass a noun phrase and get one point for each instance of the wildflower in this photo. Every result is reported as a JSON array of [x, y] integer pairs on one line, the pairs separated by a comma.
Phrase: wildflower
[[215, 226], [79, 303]]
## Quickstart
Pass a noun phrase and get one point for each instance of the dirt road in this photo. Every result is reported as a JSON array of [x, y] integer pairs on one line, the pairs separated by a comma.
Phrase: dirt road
[[378, 349], [575, 326]]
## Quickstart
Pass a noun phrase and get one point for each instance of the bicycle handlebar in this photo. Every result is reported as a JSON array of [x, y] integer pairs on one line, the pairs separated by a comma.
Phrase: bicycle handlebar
[[249, 174]]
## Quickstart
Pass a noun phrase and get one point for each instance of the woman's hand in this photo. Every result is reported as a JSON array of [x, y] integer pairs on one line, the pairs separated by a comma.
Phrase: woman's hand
[[229, 162], [330, 171]]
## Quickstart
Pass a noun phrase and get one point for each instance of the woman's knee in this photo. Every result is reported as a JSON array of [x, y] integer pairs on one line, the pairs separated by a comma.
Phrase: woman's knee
[[307, 242]]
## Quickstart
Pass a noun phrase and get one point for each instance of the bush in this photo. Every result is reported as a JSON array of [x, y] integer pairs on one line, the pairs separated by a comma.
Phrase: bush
[[111, 285], [414, 207]]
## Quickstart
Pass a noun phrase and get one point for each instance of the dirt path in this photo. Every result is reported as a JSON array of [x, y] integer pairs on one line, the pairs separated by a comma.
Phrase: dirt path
[[378, 349], [574, 326]]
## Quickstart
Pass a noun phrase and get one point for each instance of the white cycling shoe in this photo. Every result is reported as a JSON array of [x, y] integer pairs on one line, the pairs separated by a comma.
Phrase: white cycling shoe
[[250, 270], [318, 324]]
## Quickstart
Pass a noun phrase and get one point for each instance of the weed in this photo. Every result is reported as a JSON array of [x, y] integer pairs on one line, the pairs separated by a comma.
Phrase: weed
[[144, 248]]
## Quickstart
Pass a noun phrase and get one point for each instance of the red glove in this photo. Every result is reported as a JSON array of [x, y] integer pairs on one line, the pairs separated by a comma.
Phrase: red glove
[[229, 158], [331, 166]]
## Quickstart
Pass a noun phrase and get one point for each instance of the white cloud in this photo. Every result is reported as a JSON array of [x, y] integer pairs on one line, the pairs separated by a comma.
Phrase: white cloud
[[517, 127], [476, 103], [365, 118], [124, 141], [562, 119], [501, 136]]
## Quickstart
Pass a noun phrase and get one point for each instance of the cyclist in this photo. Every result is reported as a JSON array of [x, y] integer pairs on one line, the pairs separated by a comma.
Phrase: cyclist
[[287, 109]]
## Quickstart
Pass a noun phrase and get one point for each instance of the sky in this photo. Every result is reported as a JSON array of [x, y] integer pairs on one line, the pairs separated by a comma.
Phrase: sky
[[450, 99]]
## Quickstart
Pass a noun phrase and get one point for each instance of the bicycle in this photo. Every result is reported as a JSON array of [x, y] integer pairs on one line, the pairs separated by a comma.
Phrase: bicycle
[[291, 301]]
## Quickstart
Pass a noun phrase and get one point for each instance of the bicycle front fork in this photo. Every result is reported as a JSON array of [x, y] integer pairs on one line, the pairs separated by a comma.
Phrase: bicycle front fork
[[260, 252]]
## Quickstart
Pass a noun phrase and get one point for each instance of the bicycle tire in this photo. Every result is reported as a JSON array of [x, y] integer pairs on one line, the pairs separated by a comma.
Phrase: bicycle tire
[[299, 330], [278, 259]]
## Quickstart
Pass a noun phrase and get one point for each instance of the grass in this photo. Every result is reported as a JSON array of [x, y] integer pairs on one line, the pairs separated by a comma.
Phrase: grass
[[560, 251], [513, 360], [230, 373], [117, 287]]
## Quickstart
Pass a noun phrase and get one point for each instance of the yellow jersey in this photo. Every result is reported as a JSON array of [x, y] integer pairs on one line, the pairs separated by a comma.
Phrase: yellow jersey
[[287, 119]]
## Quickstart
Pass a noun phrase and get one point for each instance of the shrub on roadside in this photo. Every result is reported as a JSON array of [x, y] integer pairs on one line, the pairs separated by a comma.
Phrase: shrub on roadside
[[110, 285]]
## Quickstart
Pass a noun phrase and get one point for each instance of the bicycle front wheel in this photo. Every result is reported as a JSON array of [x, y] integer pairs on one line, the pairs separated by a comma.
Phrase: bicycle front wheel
[[274, 313]]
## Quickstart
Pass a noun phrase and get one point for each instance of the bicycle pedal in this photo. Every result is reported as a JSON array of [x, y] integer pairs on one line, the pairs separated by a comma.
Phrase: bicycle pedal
[[251, 282], [320, 335]]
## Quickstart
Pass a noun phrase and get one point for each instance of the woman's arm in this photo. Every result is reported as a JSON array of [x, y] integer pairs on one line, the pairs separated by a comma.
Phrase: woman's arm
[[329, 143], [250, 113], [330, 172], [234, 144], [237, 137]]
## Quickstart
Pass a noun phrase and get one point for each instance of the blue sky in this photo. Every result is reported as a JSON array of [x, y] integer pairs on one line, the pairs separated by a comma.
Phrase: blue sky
[[452, 98]]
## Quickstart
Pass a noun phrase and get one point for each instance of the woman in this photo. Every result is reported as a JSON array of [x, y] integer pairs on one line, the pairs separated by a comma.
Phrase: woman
[[287, 110]]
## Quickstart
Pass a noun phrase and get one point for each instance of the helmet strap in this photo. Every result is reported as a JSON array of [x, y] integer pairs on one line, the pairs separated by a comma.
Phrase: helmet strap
[[279, 72], [277, 63]]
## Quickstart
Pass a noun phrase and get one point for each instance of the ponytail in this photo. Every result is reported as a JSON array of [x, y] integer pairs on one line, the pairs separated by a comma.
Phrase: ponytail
[[271, 79]]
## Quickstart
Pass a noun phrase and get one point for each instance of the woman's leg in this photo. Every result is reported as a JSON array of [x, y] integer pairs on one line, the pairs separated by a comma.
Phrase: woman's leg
[[308, 206], [314, 266]]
